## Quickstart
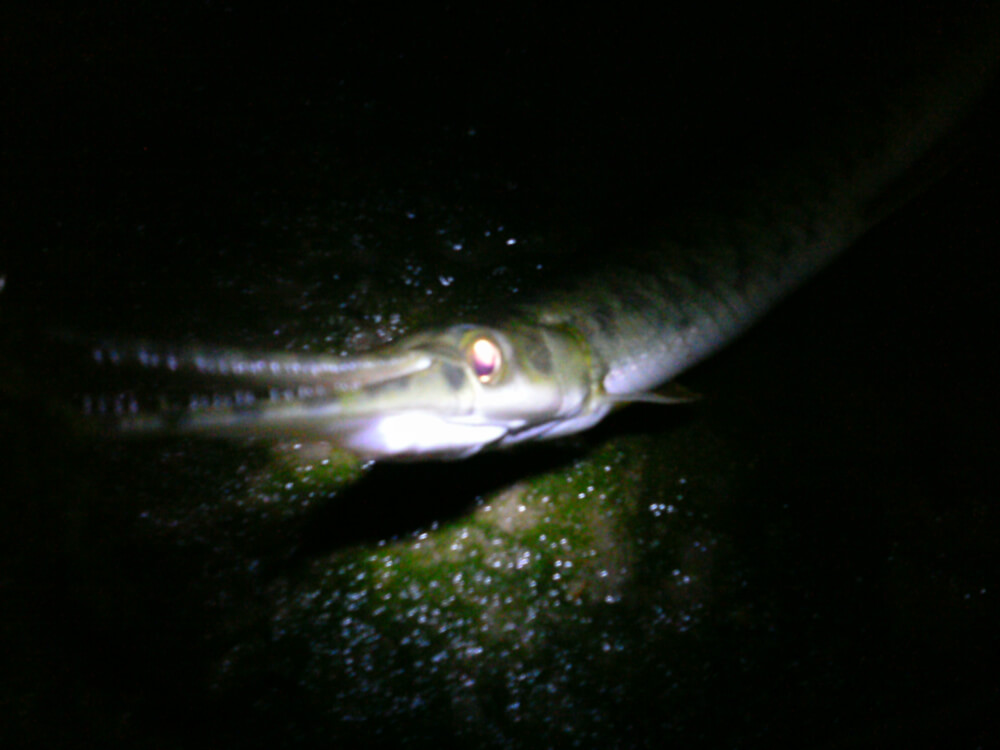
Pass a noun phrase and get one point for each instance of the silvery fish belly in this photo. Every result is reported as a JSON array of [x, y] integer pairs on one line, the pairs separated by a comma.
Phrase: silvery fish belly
[[560, 364]]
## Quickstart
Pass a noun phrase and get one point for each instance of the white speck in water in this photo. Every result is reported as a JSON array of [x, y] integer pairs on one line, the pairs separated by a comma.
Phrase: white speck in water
[[457, 246], [446, 280], [511, 241]]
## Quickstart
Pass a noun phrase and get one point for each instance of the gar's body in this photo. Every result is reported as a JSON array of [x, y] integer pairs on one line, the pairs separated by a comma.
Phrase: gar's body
[[560, 364]]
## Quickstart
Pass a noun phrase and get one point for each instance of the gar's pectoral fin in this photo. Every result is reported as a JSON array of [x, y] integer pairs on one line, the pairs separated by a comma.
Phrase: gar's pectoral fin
[[667, 394]]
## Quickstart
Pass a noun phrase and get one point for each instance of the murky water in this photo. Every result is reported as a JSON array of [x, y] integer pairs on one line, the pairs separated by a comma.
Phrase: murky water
[[805, 556]]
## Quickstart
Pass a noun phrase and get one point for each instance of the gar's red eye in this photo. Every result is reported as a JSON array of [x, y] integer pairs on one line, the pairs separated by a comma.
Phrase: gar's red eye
[[485, 359]]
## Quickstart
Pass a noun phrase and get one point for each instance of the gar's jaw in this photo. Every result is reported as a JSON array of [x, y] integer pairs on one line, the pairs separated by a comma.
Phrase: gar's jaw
[[444, 393]]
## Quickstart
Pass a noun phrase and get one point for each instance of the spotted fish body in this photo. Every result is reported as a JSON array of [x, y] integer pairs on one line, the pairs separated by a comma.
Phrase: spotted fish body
[[663, 309]]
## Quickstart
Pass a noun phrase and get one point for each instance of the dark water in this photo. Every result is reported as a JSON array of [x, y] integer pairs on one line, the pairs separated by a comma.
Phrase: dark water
[[807, 557]]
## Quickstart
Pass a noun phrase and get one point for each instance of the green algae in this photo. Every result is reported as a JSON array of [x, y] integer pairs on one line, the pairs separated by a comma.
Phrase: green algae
[[513, 620]]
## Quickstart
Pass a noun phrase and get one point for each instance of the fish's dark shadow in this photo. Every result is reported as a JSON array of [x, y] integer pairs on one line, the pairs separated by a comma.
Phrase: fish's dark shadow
[[646, 419], [394, 500]]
